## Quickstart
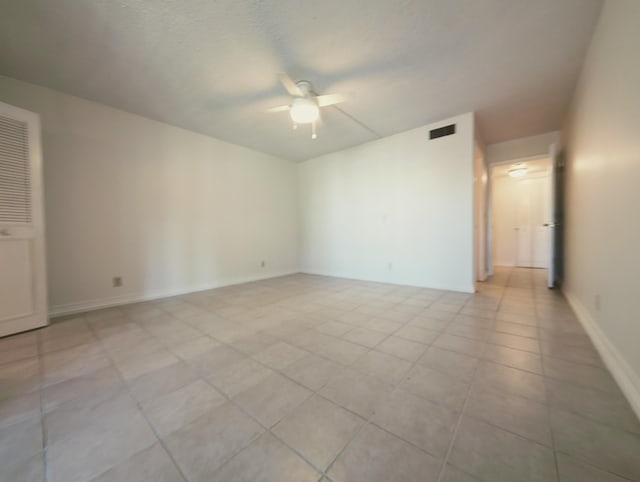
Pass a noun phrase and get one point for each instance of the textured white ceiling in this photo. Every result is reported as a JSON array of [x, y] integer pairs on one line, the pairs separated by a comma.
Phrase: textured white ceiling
[[210, 66]]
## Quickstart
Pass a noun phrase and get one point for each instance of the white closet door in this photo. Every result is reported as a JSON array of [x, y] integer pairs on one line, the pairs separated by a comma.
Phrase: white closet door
[[23, 294]]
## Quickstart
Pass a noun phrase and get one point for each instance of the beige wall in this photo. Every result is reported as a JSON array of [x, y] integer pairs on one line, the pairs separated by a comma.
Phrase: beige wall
[[603, 193]]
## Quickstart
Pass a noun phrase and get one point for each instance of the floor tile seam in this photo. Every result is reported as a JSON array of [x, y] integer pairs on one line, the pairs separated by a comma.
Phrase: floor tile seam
[[463, 408], [436, 369], [41, 353], [102, 350], [439, 458], [372, 348], [571, 410], [548, 404], [594, 420], [456, 429], [207, 378], [538, 327], [365, 328], [466, 337], [589, 463], [438, 331], [142, 412], [578, 385], [490, 345], [413, 364], [535, 337], [396, 386], [266, 428], [35, 358], [16, 360], [319, 355], [160, 342], [553, 440], [295, 450], [369, 349], [588, 365], [548, 446], [368, 419], [43, 427]]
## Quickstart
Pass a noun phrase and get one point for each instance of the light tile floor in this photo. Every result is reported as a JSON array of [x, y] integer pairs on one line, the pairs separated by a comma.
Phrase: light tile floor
[[307, 378]]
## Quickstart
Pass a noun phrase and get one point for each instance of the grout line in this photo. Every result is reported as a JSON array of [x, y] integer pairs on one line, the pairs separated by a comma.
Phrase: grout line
[[142, 412], [454, 435], [369, 349], [546, 397], [396, 386], [329, 300], [316, 393], [42, 413]]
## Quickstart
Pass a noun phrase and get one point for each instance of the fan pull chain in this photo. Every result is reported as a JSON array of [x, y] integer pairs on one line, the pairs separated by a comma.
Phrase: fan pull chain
[[295, 126], [313, 130]]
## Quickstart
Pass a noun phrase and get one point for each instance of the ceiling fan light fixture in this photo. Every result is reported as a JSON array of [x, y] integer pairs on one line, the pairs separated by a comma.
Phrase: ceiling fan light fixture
[[518, 170], [304, 111]]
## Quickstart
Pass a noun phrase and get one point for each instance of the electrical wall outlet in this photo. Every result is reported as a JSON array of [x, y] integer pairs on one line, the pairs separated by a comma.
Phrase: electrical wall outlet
[[117, 281]]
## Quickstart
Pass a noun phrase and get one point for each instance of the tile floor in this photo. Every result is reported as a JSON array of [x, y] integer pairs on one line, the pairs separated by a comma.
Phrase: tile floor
[[308, 378]]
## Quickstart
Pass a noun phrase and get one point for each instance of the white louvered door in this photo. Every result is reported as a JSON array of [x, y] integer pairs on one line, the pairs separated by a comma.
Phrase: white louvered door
[[23, 297]]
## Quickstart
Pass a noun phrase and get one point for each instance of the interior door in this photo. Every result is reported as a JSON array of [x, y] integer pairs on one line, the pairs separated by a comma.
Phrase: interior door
[[533, 211], [523, 224], [23, 303]]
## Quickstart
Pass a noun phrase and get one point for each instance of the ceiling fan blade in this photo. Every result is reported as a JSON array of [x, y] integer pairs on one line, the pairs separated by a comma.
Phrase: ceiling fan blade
[[290, 85], [330, 99], [280, 108]]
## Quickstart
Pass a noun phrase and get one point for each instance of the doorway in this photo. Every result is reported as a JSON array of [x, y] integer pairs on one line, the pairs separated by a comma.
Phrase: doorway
[[522, 213]]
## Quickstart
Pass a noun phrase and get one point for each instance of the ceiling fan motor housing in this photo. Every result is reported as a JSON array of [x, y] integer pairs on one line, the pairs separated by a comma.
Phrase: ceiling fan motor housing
[[305, 87]]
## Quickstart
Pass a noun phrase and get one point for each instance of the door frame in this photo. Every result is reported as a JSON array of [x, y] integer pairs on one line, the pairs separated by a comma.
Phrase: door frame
[[554, 280], [490, 210], [39, 317]]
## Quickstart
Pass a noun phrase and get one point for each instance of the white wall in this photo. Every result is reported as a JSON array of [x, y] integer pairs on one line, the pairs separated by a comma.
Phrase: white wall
[[399, 209], [603, 195], [169, 210], [480, 183], [522, 147]]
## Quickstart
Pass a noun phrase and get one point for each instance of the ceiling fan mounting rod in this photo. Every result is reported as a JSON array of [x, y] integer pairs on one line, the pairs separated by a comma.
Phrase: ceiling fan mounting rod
[[305, 87]]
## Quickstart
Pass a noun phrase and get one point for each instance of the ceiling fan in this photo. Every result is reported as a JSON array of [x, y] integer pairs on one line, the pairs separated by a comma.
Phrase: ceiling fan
[[305, 103]]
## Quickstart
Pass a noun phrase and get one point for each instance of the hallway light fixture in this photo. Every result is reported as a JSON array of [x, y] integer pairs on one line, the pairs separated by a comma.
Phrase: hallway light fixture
[[518, 170]]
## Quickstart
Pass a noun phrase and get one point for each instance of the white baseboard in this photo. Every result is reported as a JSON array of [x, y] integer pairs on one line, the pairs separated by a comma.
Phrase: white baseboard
[[625, 376], [96, 304]]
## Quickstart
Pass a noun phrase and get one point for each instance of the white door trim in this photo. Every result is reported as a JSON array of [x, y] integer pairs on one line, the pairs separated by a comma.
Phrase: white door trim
[[15, 231]]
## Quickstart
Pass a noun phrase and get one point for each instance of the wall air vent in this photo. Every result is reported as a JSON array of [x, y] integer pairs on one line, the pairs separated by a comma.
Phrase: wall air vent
[[442, 131]]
